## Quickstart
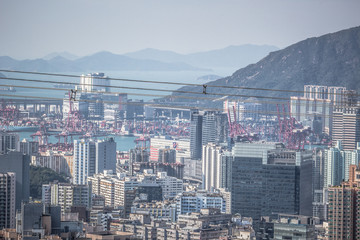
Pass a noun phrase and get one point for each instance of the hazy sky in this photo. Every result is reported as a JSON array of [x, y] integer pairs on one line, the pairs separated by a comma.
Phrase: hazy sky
[[31, 29]]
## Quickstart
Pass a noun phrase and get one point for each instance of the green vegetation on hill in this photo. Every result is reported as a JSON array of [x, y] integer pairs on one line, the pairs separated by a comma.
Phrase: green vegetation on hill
[[40, 176]]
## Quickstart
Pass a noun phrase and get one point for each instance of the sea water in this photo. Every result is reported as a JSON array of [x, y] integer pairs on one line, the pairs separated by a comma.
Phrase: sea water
[[160, 76], [123, 143]]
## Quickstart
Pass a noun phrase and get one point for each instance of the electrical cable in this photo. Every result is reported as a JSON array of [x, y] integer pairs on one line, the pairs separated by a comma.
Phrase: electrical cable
[[148, 89], [179, 107], [162, 82], [153, 95]]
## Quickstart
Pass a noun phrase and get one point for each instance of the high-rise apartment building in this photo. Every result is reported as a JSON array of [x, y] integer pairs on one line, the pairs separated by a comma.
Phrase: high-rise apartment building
[[92, 157], [9, 142], [66, 195], [320, 194], [19, 164], [216, 167], [94, 82], [337, 163], [53, 160], [334, 165], [244, 110], [181, 147], [346, 126], [192, 169], [167, 155], [344, 206], [29, 147], [318, 102], [84, 160], [7, 199], [112, 187]]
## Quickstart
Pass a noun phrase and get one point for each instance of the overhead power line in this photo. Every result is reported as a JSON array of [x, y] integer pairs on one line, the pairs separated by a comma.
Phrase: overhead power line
[[146, 89], [179, 107], [153, 95], [162, 82]]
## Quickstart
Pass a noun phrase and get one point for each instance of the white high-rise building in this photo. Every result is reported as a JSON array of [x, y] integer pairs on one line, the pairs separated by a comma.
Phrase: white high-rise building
[[211, 155], [94, 82], [337, 163], [92, 157], [216, 167], [84, 160]]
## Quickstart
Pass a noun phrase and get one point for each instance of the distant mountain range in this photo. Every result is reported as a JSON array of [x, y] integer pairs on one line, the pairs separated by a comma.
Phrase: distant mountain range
[[331, 60], [144, 60], [232, 56], [65, 55], [102, 61]]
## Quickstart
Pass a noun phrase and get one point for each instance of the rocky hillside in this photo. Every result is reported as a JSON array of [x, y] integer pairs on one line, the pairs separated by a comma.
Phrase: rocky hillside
[[332, 60]]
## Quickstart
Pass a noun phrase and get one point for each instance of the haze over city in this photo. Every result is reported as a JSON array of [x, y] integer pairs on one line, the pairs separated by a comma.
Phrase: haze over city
[[179, 120], [33, 29]]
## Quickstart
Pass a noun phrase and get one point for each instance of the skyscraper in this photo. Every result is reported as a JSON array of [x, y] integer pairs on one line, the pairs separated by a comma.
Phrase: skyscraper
[[196, 134], [318, 102], [7, 200], [215, 167], [214, 127], [84, 160], [268, 179], [92, 157], [206, 127], [9, 142], [105, 155], [337, 163], [346, 126], [334, 165], [19, 164], [344, 206], [94, 82]]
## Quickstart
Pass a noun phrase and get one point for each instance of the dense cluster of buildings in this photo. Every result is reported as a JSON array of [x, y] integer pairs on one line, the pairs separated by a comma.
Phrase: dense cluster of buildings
[[202, 186]]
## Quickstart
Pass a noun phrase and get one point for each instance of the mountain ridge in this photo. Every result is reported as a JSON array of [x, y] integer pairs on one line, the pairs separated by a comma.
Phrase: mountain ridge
[[230, 56], [104, 61], [332, 60]]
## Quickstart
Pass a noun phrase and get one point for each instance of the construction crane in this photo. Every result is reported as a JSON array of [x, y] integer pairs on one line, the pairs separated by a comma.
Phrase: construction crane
[[291, 132]]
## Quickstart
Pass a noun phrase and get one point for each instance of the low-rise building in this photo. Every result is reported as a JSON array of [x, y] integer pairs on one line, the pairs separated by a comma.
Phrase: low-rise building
[[192, 202], [160, 210]]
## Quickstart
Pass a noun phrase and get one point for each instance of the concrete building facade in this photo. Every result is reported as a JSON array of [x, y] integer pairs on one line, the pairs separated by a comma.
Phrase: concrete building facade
[[7, 199]]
